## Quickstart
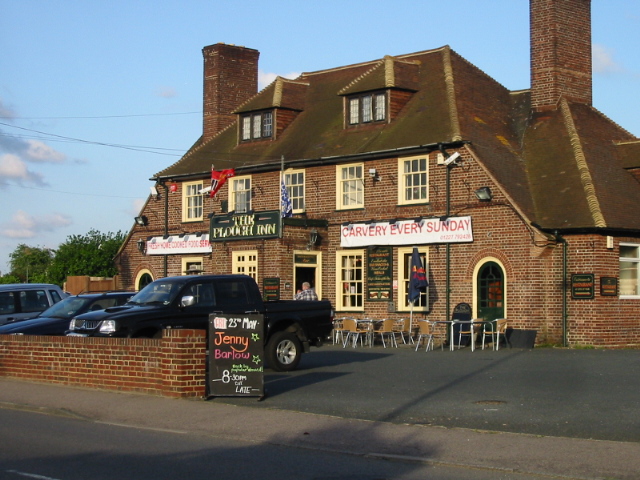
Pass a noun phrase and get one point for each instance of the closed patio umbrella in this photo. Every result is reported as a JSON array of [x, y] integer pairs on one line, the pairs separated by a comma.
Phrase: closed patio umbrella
[[417, 280]]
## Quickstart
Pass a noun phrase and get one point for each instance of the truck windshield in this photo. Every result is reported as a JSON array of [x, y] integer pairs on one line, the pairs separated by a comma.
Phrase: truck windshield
[[156, 292]]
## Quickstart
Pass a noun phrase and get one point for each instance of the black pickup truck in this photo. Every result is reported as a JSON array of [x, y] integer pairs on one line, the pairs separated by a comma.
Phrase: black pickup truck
[[292, 327]]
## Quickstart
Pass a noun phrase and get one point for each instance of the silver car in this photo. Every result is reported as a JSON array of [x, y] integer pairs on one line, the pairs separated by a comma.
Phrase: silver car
[[20, 301]]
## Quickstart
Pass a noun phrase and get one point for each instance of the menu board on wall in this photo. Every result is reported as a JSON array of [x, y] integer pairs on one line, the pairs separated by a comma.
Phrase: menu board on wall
[[236, 356], [271, 288], [609, 286], [582, 286], [379, 274]]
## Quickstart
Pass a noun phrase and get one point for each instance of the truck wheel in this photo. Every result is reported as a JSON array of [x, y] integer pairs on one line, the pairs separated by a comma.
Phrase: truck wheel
[[283, 351]]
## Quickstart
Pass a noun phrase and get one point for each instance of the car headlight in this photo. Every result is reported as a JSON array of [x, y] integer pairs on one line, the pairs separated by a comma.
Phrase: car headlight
[[108, 326]]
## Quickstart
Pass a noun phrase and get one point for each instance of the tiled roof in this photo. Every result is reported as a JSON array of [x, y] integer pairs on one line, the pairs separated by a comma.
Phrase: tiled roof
[[563, 168]]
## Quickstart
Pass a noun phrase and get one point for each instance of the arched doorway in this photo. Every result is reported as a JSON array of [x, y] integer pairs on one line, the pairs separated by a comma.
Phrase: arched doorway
[[490, 288]]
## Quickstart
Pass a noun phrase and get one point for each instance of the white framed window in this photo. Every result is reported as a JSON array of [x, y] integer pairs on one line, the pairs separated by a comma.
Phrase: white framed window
[[350, 276], [192, 201], [404, 272], [350, 189], [191, 265], [629, 270], [367, 108], [240, 194], [246, 128], [245, 262], [413, 186], [256, 126], [294, 182]]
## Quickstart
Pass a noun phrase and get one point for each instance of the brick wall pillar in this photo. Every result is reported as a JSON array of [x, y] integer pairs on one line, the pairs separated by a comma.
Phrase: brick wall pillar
[[183, 363]]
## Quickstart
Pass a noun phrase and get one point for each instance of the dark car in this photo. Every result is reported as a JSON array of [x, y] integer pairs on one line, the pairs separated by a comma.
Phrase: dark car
[[55, 320]]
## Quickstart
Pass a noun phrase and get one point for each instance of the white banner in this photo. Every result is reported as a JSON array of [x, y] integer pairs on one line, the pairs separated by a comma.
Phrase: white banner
[[176, 244], [407, 232]]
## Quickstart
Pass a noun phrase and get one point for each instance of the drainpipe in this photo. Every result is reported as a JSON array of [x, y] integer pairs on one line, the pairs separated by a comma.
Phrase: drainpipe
[[166, 223], [565, 315]]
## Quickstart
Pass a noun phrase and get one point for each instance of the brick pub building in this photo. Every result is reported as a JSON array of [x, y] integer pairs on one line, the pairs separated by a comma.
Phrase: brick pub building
[[522, 204]]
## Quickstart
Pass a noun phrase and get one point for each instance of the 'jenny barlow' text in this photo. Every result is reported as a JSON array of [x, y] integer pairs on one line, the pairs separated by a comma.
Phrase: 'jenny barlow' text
[[428, 230]]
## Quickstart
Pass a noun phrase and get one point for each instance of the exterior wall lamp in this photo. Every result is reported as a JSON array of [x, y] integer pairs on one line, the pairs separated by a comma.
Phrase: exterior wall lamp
[[313, 239], [484, 194], [142, 245], [141, 220]]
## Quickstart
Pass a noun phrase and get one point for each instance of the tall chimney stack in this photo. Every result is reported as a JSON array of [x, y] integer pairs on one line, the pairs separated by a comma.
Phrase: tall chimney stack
[[230, 79], [560, 52]]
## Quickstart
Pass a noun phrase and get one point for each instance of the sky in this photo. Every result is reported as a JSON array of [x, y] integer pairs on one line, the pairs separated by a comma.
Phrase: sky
[[96, 97]]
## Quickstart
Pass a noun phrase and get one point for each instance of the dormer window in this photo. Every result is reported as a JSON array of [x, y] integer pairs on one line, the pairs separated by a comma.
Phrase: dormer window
[[367, 108], [256, 126]]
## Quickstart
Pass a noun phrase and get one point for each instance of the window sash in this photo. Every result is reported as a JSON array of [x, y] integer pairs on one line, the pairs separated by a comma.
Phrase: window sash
[[415, 180], [354, 111], [380, 107], [267, 124], [246, 127], [629, 270], [351, 280], [367, 108], [193, 202], [241, 195], [351, 186], [294, 182]]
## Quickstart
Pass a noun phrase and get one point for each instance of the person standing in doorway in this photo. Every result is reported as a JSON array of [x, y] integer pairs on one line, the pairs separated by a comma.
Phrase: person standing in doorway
[[307, 293]]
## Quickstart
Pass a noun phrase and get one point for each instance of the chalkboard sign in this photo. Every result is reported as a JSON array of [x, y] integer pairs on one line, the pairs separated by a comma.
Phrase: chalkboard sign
[[236, 356], [380, 274]]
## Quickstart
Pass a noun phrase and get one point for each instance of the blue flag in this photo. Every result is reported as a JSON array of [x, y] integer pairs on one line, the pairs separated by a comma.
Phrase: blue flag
[[285, 202], [417, 277]]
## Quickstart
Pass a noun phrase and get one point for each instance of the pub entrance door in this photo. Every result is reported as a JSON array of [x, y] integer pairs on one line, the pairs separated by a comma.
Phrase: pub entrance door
[[490, 291], [306, 268]]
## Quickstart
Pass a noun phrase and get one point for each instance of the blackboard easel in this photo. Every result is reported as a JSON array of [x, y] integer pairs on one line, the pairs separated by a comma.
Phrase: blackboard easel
[[236, 356]]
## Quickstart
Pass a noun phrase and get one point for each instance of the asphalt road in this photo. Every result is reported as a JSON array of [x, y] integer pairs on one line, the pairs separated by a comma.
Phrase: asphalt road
[[570, 414], [48, 447], [557, 392]]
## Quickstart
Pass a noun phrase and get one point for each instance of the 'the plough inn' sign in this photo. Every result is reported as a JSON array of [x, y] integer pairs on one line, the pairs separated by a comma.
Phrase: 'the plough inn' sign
[[244, 226], [407, 232]]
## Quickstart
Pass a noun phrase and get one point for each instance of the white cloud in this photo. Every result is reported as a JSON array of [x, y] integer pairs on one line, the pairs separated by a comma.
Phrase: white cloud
[[166, 92], [41, 152], [24, 225], [603, 60], [5, 112], [14, 168], [265, 78]]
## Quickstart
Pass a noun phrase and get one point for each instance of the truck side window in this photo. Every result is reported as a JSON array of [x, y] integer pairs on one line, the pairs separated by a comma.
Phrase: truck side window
[[232, 295], [203, 294]]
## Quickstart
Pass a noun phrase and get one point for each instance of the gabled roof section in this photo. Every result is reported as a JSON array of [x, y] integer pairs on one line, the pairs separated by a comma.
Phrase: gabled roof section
[[390, 72], [281, 93], [577, 179]]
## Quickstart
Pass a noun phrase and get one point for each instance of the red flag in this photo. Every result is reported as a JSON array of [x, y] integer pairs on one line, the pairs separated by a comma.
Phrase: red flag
[[218, 179]]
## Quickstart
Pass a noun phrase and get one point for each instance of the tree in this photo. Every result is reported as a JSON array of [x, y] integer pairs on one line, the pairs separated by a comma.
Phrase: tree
[[91, 254], [30, 264]]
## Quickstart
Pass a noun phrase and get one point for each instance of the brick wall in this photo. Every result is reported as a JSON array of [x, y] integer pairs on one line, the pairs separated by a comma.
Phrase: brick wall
[[173, 366]]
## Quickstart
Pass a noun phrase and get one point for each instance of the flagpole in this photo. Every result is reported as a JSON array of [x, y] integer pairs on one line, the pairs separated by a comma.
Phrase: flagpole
[[280, 221]]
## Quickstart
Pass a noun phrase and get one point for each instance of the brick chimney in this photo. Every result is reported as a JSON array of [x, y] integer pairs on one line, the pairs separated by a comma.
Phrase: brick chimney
[[230, 79], [560, 52]]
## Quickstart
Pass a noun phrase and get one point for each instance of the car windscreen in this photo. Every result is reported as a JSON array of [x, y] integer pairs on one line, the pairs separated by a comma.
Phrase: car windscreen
[[67, 307], [158, 293]]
